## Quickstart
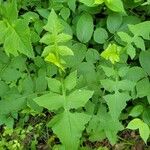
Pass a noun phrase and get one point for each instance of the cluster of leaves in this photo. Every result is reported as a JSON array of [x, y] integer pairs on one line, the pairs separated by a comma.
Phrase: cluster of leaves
[[80, 68]]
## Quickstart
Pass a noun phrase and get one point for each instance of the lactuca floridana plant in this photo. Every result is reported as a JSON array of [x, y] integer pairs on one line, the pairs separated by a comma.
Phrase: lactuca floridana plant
[[63, 98]]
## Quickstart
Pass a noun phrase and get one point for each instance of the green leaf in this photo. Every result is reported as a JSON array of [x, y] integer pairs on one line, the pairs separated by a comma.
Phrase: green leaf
[[115, 5], [87, 2], [109, 125], [85, 27], [65, 13], [79, 51], [136, 111], [64, 50], [54, 85], [143, 87], [52, 59], [53, 25], [111, 85], [135, 70], [100, 35], [146, 116], [3, 29], [114, 22], [144, 60], [51, 101], [112, 53], [72, 5], [70, 81], [20, 35], [116, 103], [78, 98], [92, 55], [141, 29], [11, 11], [143, 128], [68, 127], [3, 88]]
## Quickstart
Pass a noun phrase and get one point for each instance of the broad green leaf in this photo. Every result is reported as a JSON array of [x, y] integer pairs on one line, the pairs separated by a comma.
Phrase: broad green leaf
[[48, 49], [92, 55], [11, 11], [141, 29], [53, 25], [87, 2], [143, 87], [70, 81], [20, 35], [54, 85], [109, 71], [12, 103], [139, 42], [68, 127], [72, 5], [143, 128], [3, 88], [3, 29], [11, 74], [100, 35], [52, 59], [131, 51], [114, 21], [51, 101], [85, 27], [136, 110], [112, 53], [124, 36], [62, 37], [78, 98], [109, 125], [135, 70], [98, 1], [64, 50], [65, 13], [116, 103], [144, 60], [115, 5], [111, 85], [146, 116], [79, 51]]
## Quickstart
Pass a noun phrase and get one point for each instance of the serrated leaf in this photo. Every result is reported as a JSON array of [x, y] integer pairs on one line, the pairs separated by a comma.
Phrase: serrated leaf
[[141, 29], [20, 35], [68, 127], [54, 85], [64, 51], [78, 98], [143, 128], [85, 27], [51, 101], [53, 25], [116, 103], [70, 81]]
